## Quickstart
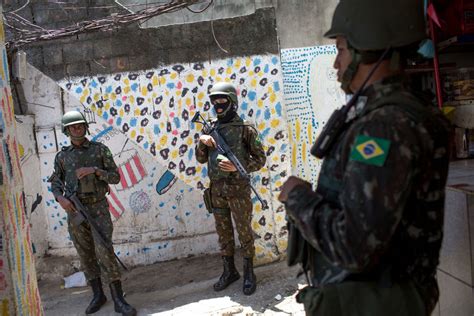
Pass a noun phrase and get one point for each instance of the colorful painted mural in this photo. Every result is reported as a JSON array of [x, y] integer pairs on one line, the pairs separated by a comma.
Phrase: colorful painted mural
[[18, 285], [311, 93], [154, 109]]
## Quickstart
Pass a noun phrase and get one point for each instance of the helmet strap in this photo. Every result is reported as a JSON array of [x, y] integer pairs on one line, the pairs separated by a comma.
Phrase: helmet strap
[[351, 70]]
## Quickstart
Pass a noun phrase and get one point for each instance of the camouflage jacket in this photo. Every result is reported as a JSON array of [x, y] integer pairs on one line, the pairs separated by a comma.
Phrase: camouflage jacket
[[91, 188], [243, 140], [379, 201]]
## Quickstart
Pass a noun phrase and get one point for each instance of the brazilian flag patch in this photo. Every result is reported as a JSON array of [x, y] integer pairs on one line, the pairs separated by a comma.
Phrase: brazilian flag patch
[[370, 150]]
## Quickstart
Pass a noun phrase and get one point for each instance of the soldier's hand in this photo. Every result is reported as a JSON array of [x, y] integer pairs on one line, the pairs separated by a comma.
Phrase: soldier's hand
[[227, 165], [289, 185], [208, 141], [67, 205], [84, 171]]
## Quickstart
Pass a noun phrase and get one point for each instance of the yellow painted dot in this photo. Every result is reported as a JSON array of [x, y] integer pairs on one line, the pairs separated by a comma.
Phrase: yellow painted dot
[[162, 81], [189, 141], [237, 63], [227, 80], [263, 190], [229, 70], [219, 79], [178, 93], [174, 154], [99, 112], [251, 73], [273, 111], [200, 95], [273, 97], [255, 225], [204, 73], [274, 123], [82, 99], [126, 81], [126, 89], [136, 112], [96, 97], [142, 130], [275, 158], [278, 183], [253, 83], [180, 101], [107, 106], [144, 91], [248, 61], [154, 81], [260, 103], [213, 72], [173, 75], [163, 140], [190, 78], [121, 112], [188, 101], [272, 141], [261, 126]]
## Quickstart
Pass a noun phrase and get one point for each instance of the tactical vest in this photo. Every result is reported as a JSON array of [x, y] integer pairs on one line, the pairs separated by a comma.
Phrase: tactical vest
[[232, 133], [330, 186], [89, 189]]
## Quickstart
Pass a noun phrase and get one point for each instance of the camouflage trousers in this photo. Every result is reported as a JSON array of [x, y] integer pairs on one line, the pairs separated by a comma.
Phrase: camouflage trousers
[[97, 260], [233, 201]]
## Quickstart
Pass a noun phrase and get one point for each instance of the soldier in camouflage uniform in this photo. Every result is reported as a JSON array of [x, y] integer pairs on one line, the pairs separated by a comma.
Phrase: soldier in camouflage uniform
[[371, 232], [86, 168], [229, 192]]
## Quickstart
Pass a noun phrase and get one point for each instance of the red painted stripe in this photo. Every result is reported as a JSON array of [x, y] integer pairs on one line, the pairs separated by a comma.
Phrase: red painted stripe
[[117, 201], [113, 211], [123, 181], [130, 173], [139, 165]]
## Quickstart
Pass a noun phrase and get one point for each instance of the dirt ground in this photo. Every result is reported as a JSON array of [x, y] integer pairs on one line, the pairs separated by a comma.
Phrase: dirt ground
[[184, 287]]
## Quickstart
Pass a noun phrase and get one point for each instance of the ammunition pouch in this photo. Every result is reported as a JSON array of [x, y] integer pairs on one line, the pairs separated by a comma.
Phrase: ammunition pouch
[[76, 218], [208, 200]]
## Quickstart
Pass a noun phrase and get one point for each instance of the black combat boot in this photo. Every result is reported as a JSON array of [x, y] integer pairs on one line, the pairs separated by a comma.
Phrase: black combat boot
[[250, 280], [229, 275], [98, 299], [121, 306]]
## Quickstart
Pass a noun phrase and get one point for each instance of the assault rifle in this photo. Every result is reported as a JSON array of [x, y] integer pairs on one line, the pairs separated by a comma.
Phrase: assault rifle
[[224, 149], [81, 215]]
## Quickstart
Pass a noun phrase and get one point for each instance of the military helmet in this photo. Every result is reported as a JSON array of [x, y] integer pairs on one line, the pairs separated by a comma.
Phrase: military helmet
[[224, 88], [376, 25], [71, 118]]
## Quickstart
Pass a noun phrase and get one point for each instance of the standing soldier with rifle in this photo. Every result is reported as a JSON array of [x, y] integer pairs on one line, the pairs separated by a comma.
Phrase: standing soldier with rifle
[[371, 232], [230, 188], [83, 171]]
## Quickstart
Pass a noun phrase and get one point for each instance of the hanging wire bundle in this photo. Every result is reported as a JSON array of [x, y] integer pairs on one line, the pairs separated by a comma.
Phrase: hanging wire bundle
[[26, 32]]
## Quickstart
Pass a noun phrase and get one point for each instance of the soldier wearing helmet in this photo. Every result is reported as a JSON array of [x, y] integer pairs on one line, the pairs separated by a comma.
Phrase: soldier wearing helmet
[[369, 235], [229, 193], [86, 168]]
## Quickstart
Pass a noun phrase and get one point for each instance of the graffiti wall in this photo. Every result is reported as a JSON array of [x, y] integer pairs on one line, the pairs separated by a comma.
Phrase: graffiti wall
[[311, 93], [18, 286], [145, 119]]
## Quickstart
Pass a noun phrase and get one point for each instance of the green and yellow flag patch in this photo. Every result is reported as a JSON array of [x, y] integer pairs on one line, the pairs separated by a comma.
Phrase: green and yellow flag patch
[[370, 150]]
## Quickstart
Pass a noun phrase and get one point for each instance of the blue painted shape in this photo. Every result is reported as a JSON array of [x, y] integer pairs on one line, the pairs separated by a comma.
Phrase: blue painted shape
[[118, 103], [266, 69], [244, 106], [267, 114], [102, 133], [161, 204], [78, 90], [170, 85], [118, 121], [252, 95], [165, 183], [145, 145], [93, 84], [156, 129], [278, 108], [191, 154], [134, 87], [276, 86], [177, 122], [108, 89], [257, 61], [274, 60], [133, 122], [105, 115]]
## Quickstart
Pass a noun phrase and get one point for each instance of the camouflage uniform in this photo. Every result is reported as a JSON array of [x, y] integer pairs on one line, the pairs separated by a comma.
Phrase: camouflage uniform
[[230, 192], [91, 190], [376, 217]]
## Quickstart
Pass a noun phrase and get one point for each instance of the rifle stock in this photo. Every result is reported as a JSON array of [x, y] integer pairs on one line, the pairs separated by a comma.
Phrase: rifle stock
[[223, 148]]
